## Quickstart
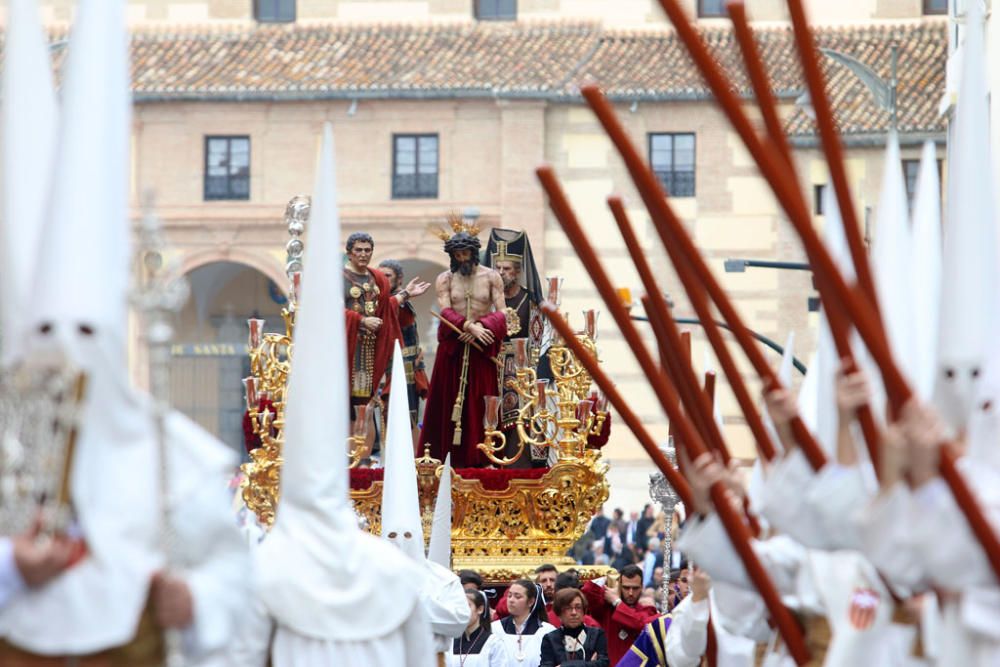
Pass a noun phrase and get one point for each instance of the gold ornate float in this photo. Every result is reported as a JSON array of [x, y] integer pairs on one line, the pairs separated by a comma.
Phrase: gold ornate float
[[501, 530]]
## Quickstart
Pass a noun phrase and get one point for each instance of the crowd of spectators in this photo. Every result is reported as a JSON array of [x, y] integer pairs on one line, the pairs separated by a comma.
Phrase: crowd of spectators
[[618, 541]]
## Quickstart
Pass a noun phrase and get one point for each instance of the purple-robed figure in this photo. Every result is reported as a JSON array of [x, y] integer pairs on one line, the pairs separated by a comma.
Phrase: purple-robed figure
[[650, 647]]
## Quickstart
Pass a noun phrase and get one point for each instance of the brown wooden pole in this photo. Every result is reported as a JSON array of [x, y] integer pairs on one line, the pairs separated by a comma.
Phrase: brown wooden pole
[[735, 528], [692, 398], [688, 262], [835, 290], [698, 401], [686, 351], [832, 148], [839, 325], [762, 439]]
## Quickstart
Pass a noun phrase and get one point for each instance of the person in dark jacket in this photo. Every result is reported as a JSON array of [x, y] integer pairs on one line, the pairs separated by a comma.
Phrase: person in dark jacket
[[574, 644]]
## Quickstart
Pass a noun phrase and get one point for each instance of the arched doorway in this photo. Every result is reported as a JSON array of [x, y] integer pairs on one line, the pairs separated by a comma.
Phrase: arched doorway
[[210, 353]]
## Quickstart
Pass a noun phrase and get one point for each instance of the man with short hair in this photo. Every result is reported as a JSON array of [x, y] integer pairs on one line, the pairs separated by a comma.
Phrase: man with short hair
[[413, 356], [371, 317], [618, 610]]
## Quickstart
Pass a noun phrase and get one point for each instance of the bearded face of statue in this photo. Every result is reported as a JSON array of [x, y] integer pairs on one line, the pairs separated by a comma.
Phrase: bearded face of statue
[[464, 261]]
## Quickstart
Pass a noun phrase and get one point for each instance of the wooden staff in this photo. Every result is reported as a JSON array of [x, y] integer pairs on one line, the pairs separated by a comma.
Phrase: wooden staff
[[682, 375], [698, 403], [837, 320], [834, 289], [668, 338], [832, 149], [686, 351], [836, 293], [473, 343], [688, 262], [737, 531], [762, 439]]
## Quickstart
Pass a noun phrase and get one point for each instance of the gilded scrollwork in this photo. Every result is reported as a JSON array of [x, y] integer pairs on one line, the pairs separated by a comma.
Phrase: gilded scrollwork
[[504, 534], [531, 520]]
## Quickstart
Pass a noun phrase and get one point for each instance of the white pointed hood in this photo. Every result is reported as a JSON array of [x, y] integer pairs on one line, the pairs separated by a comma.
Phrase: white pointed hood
[[891, 256], [401, 522], [439, 550], [314, 474], [81, 295], [29, 139], [318, 573], [83, 273], [758, 476], [969, 265], [925, 272], [817, 400]]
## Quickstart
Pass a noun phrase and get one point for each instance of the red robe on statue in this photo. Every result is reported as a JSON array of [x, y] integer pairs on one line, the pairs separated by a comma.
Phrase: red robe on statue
[[482, 380], [388, 311]]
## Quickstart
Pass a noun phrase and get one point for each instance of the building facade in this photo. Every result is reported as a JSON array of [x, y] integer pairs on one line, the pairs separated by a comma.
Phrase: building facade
[[442, 106]]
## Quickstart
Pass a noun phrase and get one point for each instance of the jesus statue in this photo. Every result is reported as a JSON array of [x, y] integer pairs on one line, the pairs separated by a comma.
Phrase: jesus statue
[[471, 299]]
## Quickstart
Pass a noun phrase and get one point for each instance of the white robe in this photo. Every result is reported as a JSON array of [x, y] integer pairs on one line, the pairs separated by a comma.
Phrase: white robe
[[11, 582], [687, 636], [260, 638], [810, 581], [493, 654], [96, 604], [529, 653], [443, 601], [922, 537], [408, 645], [824, 511]]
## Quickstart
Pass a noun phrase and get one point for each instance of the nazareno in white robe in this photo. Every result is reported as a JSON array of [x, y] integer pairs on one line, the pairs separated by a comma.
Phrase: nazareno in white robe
[[523, 650], [488, 651]]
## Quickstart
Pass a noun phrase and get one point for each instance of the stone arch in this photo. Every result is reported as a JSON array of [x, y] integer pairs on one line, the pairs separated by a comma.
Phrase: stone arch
[[263, 263]]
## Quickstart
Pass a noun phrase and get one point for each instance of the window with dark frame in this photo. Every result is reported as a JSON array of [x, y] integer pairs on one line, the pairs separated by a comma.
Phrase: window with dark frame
[[414, 166], [819, 189], [227, 167], [711, 9], [274, 11], [495, 10], [935, 6], [672, 157]]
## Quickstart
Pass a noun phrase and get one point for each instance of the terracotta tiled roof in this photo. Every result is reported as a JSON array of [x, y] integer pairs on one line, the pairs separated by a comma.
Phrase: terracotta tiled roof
[[657, 66], [524, 59], [272, 61]]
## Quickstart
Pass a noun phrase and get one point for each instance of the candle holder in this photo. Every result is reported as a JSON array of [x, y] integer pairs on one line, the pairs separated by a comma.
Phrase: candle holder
[[270, 361], [554, 295], [590, 323], [494, 441], [576, 416], [357, 442]]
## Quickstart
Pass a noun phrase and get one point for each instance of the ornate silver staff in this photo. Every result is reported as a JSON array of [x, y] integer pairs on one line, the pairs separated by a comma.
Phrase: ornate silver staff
[[661, 491], [158, 298], [40, 404]]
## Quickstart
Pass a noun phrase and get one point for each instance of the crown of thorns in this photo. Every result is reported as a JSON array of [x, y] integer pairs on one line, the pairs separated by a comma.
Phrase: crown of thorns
[[462, 241]]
